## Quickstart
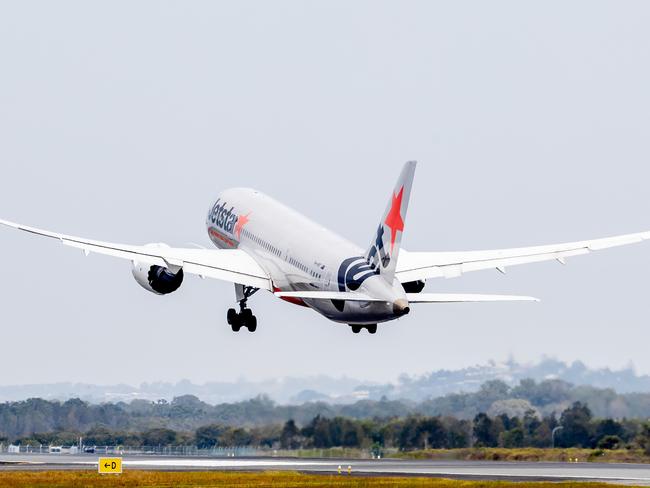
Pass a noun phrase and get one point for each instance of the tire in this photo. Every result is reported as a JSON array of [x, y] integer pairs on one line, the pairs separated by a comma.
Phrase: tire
[[235, 326], [246, 315], [231, 316], [356, 328], [372, 329], [252, 324]]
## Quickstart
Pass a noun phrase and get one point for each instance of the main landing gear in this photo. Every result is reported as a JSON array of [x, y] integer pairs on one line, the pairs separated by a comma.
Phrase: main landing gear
[[245, 317], [372, 328]]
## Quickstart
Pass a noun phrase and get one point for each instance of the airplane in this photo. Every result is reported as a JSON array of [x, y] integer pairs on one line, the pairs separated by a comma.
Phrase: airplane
[[265, 245]]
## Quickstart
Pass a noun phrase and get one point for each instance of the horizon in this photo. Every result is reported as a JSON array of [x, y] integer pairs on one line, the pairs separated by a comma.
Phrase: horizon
[[343, 390], [491, 362]]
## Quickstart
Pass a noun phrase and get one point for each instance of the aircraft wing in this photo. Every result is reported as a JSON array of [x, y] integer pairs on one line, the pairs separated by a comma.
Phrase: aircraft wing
[[413, 266], [232, 265]]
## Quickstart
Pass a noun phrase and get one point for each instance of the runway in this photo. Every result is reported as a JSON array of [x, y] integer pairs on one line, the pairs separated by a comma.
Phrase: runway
[[637, 474]]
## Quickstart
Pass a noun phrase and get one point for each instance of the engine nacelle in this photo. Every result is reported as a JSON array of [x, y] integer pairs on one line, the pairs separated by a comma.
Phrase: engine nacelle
[[157, 279]]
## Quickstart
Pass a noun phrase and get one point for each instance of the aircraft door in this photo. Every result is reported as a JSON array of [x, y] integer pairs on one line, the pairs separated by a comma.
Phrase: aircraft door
[[327, 277]]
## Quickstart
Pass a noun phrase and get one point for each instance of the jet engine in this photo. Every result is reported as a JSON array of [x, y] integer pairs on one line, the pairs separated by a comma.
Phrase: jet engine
[[157, 279]]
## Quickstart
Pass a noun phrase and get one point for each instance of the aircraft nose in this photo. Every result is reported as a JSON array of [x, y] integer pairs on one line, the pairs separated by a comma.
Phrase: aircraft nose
[[401, 307]]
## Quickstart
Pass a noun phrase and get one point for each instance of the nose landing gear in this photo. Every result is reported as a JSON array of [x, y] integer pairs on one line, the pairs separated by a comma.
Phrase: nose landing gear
[[372, 328], [245, 317]]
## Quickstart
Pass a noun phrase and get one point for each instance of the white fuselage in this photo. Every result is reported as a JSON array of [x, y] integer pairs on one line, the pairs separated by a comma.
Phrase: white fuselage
[[300, 255]]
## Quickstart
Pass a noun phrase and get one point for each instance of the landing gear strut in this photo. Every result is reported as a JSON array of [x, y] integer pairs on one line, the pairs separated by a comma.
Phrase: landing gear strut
[[245, 317]]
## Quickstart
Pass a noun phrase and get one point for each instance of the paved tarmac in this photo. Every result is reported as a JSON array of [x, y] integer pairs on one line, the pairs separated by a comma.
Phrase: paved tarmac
[[634, 474]]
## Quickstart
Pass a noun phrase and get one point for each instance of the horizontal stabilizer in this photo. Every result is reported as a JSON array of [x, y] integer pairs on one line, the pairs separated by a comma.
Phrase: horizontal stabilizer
[[464, 298], [412, 297], [328, 295]]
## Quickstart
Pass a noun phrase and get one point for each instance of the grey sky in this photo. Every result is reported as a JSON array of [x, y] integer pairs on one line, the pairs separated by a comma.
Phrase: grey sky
[[121, 121]]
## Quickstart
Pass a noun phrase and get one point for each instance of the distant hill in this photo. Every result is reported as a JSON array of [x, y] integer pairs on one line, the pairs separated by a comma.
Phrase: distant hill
[[345, 390], [442, 382]]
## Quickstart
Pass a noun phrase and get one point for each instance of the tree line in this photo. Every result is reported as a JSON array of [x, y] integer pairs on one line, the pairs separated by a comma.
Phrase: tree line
[[575, 427], [187, 413]]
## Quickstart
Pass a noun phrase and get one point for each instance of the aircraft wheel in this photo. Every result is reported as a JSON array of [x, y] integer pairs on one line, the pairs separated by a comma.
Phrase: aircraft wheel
[[232, 316], [234, 319], [356, 328], [372, 329], [252, 324]]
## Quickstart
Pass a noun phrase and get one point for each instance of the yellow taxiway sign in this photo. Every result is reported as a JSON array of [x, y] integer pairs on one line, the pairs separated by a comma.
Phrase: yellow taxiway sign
[[110, 465]]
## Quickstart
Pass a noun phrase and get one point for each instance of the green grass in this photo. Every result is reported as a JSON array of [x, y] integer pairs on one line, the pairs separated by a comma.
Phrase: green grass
[[331, 452], [531, 454], [77, 479], [485, 454]]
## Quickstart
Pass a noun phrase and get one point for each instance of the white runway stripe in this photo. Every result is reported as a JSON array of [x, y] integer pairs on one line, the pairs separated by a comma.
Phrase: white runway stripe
[[221, 463]]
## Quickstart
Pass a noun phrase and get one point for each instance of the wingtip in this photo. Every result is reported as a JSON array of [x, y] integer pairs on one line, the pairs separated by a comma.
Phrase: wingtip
[[8, 223], [521, 298]]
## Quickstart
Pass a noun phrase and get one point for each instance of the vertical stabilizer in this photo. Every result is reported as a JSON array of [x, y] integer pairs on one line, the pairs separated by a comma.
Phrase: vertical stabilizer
[[384, 249]]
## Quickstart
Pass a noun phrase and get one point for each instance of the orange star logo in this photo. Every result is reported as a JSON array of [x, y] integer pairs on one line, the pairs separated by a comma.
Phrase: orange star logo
[[241, 222], [394, 218]]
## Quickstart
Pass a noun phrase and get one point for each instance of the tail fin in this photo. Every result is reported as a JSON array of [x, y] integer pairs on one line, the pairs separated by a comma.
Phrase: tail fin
[[384, 249]]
